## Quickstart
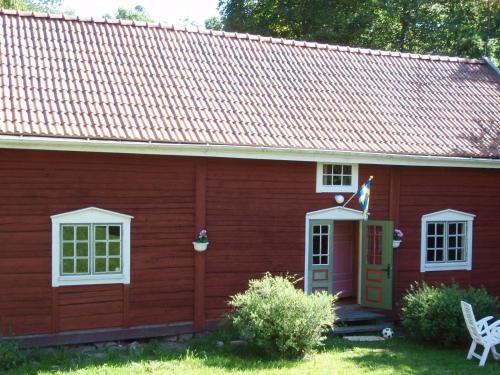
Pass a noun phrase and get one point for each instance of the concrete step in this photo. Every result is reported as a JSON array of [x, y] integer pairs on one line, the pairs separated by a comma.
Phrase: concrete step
[[367, 328]]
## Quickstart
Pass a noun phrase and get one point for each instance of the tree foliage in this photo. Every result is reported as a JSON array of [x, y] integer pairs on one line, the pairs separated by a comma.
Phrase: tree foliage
[[52, 6], [213, 23], [449, 27], [138, 13]]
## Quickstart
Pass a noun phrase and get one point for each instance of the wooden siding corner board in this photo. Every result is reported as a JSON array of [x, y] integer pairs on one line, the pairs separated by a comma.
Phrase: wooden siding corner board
[[200, 258]]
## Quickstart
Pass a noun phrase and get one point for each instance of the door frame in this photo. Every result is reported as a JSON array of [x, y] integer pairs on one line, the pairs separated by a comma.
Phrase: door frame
[[331, 214]]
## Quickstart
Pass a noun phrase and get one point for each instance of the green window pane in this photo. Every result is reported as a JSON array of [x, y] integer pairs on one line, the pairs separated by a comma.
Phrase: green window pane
[[100, 232], [82, 266], [337, 180], [114, 232], [68, 250], [82, 233], [82, 249], [100, 264], [100, 248], [327, 180], [347, 169], [114, 265], [114, 248], [327, 169], [68, 232], [337, 169], [68, 266]]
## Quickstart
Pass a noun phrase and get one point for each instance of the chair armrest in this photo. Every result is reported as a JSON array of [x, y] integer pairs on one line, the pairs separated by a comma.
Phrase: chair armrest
[[482, 324], [484, 320], [494, 325]]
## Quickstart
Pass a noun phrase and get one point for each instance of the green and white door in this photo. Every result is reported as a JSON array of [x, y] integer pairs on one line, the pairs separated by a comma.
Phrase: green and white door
[[320, 256], [376, 264]]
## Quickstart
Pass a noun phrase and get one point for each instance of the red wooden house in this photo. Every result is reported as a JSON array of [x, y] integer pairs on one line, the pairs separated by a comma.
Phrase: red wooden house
[[119, 141]]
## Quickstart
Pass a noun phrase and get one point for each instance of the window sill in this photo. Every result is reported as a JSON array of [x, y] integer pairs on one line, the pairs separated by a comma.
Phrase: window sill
[[89, 280], [336, 189], [462, 266]]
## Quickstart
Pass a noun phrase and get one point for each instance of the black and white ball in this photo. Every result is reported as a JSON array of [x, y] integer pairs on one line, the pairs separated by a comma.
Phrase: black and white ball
[[387, 333]]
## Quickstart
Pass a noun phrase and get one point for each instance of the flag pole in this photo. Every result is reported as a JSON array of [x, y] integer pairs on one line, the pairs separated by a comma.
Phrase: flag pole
[[350, 199]]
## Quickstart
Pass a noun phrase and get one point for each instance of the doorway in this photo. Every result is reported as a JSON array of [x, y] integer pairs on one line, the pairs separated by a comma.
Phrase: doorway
[[347, 254]]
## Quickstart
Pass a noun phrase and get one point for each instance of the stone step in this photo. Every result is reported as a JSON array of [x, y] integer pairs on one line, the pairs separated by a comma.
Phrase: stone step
[[361, 328], [356, 313], [347, 315]]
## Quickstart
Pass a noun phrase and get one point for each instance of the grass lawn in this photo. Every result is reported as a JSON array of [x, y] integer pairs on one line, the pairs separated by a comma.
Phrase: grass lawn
[[396, 356]]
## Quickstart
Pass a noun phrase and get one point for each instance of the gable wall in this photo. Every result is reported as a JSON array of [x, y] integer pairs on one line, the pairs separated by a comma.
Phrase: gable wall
[[255, 214]]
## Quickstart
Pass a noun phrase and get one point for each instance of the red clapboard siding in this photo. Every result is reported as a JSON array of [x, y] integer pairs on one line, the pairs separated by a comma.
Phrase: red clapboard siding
[[157, 191], [426, 190], [255, 215]]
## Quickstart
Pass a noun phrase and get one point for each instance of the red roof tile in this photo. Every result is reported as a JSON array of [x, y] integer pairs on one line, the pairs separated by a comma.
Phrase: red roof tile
[[68, 77]]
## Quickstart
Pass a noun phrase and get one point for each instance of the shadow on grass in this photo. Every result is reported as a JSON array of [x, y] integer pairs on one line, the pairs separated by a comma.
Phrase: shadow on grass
[[401, 356], [397, 356], [61, 360], [203, 351], [239, 358]]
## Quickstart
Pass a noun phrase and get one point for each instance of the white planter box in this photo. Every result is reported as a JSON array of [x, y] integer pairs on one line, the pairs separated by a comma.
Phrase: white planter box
[[396, 243], [200, 246]]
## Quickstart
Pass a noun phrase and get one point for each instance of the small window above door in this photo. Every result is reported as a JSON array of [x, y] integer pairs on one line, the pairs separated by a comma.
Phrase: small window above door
[[336, 178]]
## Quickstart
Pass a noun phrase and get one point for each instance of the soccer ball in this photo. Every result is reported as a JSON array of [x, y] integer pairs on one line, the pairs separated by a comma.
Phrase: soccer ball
[[388, 333]]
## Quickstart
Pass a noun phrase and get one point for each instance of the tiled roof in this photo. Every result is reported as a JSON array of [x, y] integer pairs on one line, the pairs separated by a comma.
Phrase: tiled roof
[[97, 79]]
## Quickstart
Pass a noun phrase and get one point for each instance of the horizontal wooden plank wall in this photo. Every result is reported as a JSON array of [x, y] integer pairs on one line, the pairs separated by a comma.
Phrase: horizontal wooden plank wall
[[255, 212], [157, 191], [426, 190]]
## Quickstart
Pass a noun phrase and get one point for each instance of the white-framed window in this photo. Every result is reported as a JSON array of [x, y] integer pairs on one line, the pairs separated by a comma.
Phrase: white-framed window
[[446, 241], [90, 246], [321, 244], [336, 178]]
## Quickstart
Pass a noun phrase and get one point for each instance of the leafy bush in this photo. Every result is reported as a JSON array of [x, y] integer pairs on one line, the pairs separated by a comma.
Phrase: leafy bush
[[278, 318], [433, 313], [10, 355]]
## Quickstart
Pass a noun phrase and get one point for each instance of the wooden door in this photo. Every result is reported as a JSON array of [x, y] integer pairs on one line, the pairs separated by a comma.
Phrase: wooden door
[[320, 256], [376, 264]]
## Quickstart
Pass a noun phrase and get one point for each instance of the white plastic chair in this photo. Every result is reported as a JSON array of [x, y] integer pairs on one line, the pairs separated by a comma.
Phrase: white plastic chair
[[482, 333]]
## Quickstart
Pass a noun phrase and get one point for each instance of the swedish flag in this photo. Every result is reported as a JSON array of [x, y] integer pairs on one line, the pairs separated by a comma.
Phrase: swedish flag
[[364, 195]]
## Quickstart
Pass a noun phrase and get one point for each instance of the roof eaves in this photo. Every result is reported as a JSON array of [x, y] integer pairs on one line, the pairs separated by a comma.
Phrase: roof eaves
[[241, 152]]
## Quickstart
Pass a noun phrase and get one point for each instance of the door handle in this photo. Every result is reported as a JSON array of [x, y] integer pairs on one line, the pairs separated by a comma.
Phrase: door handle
[[388, 270]]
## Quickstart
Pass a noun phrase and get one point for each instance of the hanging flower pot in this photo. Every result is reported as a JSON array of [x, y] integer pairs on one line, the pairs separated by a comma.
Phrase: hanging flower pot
[[201, 242], [200, 246], [397, 238]]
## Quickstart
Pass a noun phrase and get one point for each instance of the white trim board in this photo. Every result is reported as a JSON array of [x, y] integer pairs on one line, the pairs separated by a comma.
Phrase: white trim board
[[239, 152]]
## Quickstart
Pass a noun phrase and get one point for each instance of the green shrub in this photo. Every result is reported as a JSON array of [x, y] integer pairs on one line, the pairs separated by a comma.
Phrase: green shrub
[[278, 318], [10, 355], [433, 313]]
